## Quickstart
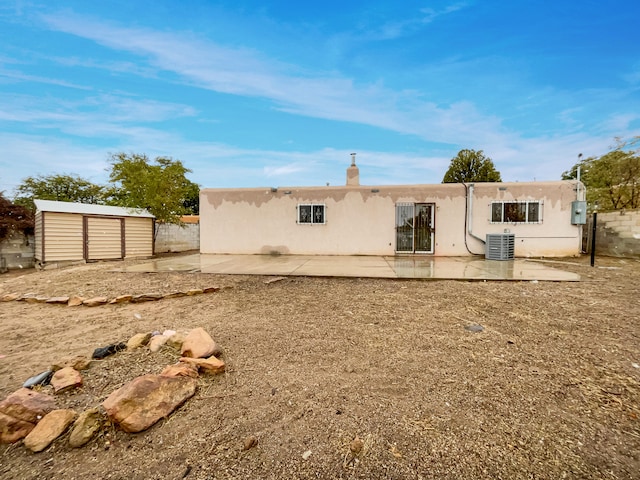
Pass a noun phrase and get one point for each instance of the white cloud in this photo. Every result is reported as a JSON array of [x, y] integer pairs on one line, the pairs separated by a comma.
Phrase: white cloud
[[244, 72]]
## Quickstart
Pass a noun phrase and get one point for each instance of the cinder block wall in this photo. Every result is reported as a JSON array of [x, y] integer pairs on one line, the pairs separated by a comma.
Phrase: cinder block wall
[[17, 251], [176, 238], [618, 233]]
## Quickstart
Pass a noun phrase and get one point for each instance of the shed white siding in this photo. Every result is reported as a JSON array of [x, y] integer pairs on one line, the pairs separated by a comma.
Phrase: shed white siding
[[37, 241], [104, 238], [138, 237], [62, 237]]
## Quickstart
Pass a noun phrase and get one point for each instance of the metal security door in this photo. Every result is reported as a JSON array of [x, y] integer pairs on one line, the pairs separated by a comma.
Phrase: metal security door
[[414, 227], [423, 236]]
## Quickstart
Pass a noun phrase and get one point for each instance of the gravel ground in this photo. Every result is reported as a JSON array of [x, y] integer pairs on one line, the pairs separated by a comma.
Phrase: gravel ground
[[550, 388]]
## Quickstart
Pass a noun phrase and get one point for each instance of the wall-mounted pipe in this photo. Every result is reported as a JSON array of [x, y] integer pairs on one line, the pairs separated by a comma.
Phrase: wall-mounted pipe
[[468, 217]]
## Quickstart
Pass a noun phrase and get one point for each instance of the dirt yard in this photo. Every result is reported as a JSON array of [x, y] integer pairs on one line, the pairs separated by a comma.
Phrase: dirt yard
[[550, 389]]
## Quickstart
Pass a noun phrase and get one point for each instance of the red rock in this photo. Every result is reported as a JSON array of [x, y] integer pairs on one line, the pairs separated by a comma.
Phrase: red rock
[[198, 344], [20, 412], [65, 379], [142, 402], [209, 365], [13, 429], [210, 289], [52, 425], [180, 370]]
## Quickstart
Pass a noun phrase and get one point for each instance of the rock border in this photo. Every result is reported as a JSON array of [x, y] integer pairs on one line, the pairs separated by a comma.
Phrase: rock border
[[76, 301]]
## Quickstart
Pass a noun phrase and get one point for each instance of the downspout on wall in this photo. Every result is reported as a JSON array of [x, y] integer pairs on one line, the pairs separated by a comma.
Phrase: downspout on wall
[[468, 220]]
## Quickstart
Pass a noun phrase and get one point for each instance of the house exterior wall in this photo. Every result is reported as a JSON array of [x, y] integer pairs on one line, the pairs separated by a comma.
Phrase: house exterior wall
[[555, 236], [138, 237], [361, 220]]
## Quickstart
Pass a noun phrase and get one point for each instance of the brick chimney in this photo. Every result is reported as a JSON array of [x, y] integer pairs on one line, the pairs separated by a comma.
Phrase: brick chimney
[[353, 173]]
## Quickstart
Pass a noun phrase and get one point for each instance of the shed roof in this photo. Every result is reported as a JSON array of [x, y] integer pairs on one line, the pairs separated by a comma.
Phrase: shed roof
[[90, 209]]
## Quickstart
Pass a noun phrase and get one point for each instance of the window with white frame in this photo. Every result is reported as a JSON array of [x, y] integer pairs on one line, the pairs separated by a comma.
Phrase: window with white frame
[[516, 212], [311, 213]]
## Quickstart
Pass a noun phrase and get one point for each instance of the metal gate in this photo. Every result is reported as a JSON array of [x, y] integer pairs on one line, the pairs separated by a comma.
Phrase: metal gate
[[415, 227]]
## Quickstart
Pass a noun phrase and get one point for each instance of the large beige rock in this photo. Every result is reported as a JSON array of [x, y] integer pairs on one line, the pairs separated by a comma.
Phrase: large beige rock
[[156, 342], [138, 340], [58, 300], [20, 412], [9, 297], [177, 339], [52, 425], [122, 299], [146, 399], [85, 427], [75, 301], [198, 344], [95, 301], [65, 379], [207, 365]]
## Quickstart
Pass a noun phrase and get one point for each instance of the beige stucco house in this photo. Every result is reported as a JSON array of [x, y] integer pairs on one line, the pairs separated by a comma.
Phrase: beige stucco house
[[541, 218]]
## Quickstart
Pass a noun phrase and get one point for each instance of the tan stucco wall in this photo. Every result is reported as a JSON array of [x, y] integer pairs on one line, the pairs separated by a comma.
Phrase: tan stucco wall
[[361, 220]]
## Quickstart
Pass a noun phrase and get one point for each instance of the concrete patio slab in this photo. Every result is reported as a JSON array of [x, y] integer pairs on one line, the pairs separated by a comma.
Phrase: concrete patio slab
[[454, 268]]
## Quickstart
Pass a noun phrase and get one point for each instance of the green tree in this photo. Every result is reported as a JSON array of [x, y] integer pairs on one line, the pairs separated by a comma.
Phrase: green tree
[[192, 200], [159, 186], [471, 166], [65, 188], [612, 180]]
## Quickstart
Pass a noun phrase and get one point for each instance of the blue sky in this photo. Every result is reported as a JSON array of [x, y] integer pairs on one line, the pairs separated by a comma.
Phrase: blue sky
[[255, 93]]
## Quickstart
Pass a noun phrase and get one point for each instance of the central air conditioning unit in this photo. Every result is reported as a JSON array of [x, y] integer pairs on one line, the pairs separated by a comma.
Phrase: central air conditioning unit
[[500, 246]]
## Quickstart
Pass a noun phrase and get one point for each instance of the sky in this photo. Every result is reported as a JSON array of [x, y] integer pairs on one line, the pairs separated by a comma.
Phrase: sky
[[279, 93]]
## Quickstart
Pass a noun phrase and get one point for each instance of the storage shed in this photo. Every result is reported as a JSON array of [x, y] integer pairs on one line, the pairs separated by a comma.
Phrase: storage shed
[[66, 232]]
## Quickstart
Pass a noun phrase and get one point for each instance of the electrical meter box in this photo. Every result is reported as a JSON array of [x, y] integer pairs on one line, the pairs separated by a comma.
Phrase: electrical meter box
[[578, 212]]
